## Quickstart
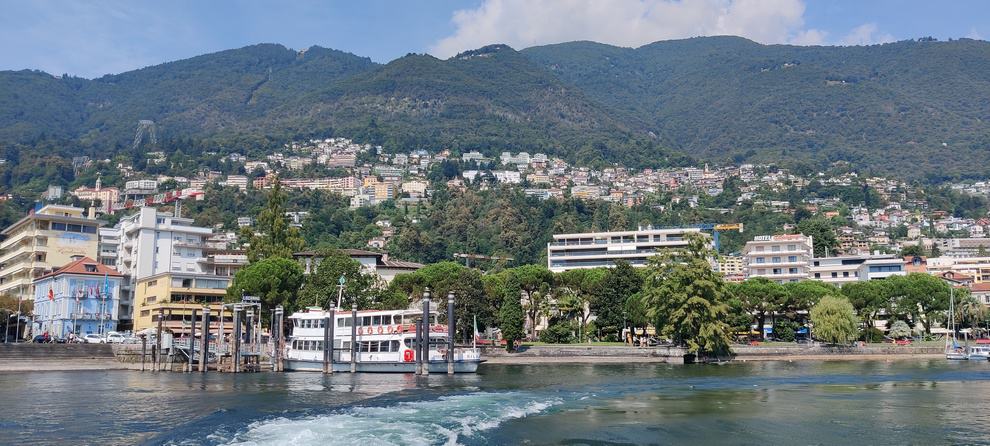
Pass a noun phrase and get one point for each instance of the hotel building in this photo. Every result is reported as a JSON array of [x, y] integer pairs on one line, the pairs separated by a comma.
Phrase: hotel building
[[595, 249], [46, 239]]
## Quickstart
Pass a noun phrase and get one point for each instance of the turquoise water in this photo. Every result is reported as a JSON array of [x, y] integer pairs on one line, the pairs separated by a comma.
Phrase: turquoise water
[[842, 402]]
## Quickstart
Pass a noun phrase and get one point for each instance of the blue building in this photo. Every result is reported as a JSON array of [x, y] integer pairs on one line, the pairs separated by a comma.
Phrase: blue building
[[82, 297]]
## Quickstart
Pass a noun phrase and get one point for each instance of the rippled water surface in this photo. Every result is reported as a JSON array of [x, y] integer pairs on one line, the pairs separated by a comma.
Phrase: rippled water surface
[[842, 402]]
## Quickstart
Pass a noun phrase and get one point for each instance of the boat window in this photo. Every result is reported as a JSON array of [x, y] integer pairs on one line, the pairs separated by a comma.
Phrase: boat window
[[395, 346], [376, 320], [366, 321], [344, 322], [346, 345]]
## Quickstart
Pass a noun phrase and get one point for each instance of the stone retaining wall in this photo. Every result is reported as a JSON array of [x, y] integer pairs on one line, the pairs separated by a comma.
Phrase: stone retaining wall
[[674, 355], [811, 350]]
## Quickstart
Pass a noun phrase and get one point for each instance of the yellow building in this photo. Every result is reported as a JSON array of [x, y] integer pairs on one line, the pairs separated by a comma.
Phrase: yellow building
[[178, 295], [384, 191], [43, 241]]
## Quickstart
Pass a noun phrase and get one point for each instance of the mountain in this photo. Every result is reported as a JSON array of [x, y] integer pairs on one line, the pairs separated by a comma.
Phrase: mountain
[[886, 107], [896, 108]]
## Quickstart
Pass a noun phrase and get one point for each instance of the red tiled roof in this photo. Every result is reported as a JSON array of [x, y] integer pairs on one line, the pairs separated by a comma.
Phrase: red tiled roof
[[79, 267], [983, 287]]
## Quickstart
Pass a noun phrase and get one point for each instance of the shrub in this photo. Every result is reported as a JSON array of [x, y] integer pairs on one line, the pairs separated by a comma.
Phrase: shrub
[[871, 334], [900, 330], [557, 333]]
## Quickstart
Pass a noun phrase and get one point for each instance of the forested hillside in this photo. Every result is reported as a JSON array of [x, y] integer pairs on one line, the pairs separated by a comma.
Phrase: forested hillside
[[914, 109]]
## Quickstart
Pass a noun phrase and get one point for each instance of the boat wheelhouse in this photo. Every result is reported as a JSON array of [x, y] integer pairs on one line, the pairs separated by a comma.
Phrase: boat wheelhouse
[[385, 342]]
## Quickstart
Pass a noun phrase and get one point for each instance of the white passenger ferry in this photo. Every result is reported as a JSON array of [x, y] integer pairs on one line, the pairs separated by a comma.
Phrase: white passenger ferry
[[386, 342]]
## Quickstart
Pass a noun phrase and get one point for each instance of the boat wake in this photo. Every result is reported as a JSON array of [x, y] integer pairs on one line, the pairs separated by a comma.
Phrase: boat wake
[[447, 420]]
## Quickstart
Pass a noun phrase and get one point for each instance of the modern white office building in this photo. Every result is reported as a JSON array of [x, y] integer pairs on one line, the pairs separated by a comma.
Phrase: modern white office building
[[595, 249], [844, 269], [782, 258]]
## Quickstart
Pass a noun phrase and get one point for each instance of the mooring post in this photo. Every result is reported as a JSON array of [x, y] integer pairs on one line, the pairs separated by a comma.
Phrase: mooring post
[[326, 345], [221, 343], [450, 333], [192, 341], [279, 340], [354, 323], [235, 356], [333, 321], [158, 339], [144, 349], [425, 346], [204, 343]]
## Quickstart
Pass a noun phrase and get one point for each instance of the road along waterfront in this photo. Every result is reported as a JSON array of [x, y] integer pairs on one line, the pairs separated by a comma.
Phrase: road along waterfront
[[779, 402]]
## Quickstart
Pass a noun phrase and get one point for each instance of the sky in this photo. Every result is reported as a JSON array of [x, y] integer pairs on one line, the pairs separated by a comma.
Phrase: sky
[[97, 37]]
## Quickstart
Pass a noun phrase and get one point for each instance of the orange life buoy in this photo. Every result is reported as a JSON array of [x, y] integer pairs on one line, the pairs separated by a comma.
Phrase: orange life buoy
[[381, 329], [407, 356]]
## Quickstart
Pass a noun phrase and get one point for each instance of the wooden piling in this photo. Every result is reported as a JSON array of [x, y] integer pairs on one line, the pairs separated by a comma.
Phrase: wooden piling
[[158, 339], [326, 345], [450, 333], [279, 340], [204, 343], [235, 356], [425, 346], [144, 350], [333, 321], [354, 324], [192, 342]]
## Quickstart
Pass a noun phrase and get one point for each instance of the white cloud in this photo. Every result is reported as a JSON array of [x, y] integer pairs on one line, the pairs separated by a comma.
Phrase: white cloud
[[866, 34], [632, 23]]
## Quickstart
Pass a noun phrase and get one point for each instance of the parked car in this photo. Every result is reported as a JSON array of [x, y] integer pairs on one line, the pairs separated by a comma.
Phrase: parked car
[[114, 338], [93, 338]]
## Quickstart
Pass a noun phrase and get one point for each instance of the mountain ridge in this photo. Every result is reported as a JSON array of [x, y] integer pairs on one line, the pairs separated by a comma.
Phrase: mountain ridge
[[724, 99]]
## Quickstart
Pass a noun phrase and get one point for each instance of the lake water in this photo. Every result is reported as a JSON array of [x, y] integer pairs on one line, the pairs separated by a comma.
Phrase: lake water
[[842, 402]]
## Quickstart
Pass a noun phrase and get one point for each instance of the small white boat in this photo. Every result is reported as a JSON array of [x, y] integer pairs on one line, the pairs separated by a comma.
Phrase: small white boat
[[386, 343], [978, 353]]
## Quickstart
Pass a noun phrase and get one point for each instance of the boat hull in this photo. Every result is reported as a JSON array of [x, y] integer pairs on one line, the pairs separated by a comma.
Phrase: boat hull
[[302, 365]]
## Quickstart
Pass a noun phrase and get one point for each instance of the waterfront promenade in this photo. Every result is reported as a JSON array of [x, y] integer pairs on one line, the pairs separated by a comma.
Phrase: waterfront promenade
[[51, 357]]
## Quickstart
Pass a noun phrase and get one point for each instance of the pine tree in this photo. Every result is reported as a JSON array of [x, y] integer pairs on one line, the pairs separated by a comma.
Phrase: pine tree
[[273, 237]]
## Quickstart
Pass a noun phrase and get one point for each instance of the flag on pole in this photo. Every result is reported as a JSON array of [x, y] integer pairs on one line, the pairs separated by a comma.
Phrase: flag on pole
[[51, 293]]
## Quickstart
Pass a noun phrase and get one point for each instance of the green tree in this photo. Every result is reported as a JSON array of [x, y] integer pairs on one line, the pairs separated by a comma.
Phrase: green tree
[[510, 315], [760, 297], [321, 284], [272, 236], [921, 296], [470, 299], [822, 235], [619, 284], [834, 320], [276, 281], [912, 251], [534, 281], [870, 298], [969, 311], [803, 295], [575, 291], [688, 298]]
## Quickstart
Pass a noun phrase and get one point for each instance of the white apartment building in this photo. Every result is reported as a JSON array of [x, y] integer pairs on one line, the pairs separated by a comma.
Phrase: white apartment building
[[782, 258], [595, 249], [844, 269], [153, 243]]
